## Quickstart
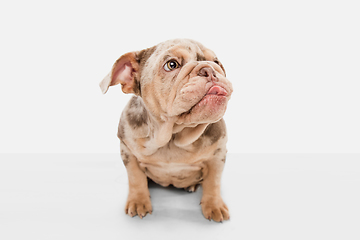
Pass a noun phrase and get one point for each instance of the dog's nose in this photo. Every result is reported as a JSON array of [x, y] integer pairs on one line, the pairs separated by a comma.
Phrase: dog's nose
[[207, 72]]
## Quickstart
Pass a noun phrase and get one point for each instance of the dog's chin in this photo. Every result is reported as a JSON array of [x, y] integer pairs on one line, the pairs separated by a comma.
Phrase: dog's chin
[[211, 108]]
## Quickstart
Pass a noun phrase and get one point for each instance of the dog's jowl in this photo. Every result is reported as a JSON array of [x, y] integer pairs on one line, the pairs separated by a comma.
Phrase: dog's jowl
[[172, 130]]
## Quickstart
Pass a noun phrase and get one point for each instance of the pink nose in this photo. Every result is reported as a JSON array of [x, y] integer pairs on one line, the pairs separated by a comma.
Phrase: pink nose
[[207, 72]]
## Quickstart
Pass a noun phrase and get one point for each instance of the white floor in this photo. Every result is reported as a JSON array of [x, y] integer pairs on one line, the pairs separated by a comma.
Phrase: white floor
[[270, 196]]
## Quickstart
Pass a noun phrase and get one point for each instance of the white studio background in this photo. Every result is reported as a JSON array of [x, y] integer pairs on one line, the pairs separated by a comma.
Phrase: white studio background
[[294, 65]]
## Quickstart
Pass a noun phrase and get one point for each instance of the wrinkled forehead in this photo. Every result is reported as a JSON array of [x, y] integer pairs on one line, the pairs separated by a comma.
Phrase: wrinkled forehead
[[183, 49]]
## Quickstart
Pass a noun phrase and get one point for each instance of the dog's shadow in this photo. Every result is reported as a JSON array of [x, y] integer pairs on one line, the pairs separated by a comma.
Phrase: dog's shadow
[[175, 203]]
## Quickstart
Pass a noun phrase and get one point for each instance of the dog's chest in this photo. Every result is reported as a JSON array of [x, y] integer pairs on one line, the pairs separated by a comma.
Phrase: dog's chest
[[175, 166]]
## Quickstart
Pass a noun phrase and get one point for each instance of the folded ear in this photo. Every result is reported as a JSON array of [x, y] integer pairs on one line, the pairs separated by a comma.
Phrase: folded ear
[[124, 71]]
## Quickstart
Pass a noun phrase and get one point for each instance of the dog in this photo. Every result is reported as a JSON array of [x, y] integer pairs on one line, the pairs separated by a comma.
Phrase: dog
[[172, 130]]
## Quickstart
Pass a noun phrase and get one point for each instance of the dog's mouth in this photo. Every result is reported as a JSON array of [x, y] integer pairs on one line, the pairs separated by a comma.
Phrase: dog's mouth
[[217, 91], [214, 97]]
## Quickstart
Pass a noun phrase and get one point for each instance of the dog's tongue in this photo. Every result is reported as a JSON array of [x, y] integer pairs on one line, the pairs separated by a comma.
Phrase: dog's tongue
[[217, 90]]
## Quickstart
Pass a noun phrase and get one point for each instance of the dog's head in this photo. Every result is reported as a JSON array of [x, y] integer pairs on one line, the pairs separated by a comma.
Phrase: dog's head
[[178, 79]]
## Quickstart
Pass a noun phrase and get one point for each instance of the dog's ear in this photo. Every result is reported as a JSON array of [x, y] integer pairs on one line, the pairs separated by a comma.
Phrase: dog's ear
[[126, 71], [123, 72]]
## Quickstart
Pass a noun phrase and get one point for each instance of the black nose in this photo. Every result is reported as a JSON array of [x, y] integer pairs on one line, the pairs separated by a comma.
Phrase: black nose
[[206, 72]]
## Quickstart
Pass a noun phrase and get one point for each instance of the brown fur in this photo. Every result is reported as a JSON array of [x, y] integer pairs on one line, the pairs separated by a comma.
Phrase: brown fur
[[167, 133]]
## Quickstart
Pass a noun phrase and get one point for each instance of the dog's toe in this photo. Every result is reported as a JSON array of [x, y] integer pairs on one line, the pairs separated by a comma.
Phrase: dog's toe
[[215, 208], [139, 205], [192, 188]]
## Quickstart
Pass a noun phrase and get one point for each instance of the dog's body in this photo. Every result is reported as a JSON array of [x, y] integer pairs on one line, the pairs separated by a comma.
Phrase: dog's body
[[172, 131]]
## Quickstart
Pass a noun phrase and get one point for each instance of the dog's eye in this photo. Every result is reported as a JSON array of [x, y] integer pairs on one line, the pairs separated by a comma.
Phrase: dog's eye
[[171, 65]]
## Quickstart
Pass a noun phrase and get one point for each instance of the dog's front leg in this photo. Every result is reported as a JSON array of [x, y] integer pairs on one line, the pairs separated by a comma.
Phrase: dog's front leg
[[138, 202], [213, 207]]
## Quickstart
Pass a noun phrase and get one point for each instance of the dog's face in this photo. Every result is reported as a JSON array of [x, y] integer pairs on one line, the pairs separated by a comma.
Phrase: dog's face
[[176, 79]]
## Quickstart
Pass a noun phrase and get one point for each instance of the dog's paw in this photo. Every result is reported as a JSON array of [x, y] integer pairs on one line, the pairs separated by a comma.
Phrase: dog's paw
[[192, 188], [138, 205], [214, 208]]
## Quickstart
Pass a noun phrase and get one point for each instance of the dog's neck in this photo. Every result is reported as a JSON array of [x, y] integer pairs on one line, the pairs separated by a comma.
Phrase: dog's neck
[[189, 134], [163, 129]]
